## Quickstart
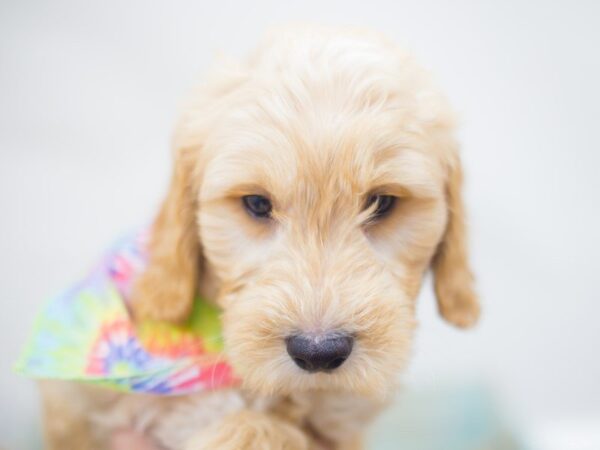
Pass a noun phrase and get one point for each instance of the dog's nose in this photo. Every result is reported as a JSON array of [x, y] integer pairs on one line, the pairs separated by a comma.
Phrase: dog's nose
[[315, 354]]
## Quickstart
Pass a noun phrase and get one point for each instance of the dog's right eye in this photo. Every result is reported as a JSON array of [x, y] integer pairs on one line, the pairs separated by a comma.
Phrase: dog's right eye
[[383, 205], [258, 205]]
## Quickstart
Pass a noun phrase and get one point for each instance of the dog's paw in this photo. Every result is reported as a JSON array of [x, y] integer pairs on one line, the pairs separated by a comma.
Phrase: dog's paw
[[249, 430]]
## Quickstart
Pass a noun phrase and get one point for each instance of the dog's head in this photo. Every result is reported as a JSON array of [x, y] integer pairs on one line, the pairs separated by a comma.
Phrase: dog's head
[[314, 185]]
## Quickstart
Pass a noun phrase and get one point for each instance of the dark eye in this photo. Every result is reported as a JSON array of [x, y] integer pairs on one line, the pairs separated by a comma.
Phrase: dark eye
[[258, 205], [383, 205]]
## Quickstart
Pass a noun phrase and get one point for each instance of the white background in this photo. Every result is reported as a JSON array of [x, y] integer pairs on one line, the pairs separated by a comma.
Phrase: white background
[[88, 95]]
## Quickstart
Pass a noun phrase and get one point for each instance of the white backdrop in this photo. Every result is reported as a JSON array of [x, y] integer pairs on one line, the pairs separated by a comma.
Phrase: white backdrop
[[88, 94]]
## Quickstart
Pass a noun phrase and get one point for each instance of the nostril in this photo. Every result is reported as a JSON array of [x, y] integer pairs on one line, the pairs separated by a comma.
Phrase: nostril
[[337, 362], [301, 363], [313, 354]]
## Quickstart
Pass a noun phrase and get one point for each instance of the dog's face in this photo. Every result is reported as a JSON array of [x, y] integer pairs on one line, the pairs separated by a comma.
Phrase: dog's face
[[310, 201]]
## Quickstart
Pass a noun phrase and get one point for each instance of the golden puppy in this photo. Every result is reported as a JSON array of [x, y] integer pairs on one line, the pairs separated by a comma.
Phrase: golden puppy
[[314, 185]]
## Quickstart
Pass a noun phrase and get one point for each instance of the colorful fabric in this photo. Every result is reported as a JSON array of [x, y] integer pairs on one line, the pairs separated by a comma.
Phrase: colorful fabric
[[86, 334]]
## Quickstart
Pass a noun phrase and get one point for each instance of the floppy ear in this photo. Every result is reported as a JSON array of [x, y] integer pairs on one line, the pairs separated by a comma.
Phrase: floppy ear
[[166, 290], [457, 300]]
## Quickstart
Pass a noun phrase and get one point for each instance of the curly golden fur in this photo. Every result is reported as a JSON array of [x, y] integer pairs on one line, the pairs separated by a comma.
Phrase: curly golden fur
[[317, 119]]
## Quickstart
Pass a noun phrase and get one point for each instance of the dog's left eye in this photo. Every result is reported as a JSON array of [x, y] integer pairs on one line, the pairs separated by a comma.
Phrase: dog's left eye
[[258, 205], [383, 205]]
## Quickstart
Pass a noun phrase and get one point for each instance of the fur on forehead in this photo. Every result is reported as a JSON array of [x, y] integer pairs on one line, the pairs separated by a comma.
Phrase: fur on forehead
[[274, 130], [302, 92]]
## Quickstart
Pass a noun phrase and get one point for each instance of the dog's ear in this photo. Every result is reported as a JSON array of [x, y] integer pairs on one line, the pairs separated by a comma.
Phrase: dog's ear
[[166, 290], [456, 297]]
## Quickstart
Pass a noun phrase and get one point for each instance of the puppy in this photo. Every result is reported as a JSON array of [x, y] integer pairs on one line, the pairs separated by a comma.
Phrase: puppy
[[314, 185]]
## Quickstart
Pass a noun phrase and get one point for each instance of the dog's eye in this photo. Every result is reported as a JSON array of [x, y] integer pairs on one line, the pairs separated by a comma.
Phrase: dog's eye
[[258, 205], [383, 205]]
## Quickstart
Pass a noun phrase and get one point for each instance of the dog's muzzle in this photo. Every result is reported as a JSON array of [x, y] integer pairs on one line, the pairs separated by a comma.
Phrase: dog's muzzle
[[319, 353]]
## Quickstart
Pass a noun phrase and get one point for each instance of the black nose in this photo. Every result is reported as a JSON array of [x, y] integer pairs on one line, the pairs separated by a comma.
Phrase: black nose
[[319, 353]]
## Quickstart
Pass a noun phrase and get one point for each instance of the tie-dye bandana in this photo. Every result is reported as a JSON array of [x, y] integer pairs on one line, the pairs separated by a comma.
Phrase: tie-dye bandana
[[86, 334]]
